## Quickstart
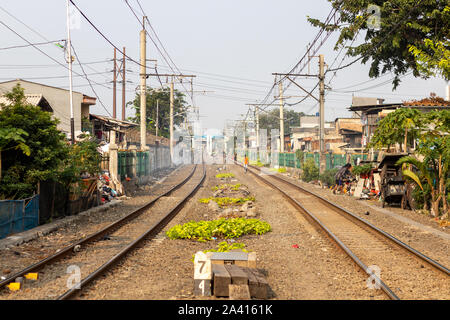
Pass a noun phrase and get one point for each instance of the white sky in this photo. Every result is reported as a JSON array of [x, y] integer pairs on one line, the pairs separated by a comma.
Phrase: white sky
[[240, 42]]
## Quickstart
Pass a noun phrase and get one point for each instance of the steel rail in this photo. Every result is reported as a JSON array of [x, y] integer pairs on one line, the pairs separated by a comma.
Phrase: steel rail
[[361, 264], [93, 237], [420, 255], [151, 232]]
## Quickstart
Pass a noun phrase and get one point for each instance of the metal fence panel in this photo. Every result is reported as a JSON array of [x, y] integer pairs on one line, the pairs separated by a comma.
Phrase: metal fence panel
[[18, 215]]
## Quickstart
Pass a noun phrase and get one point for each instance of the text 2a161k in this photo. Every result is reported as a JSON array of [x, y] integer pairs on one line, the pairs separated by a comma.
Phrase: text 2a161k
[[246, 309]]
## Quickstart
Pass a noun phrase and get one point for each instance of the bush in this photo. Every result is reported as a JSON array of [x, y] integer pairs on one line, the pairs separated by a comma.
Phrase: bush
[[358, 170], [310, 171], [328, 177]]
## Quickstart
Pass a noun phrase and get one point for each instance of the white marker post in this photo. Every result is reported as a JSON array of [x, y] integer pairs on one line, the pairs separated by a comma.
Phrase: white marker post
[[202, 274]]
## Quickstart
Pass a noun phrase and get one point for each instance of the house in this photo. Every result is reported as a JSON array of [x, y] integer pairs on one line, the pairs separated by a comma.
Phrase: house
[[371, 114], [55, 100], [306, 136], [36, 100], [101, 127], [350, 129]]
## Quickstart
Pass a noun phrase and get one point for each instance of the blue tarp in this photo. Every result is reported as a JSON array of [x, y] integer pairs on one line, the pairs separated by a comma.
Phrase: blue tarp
[[18, 215]]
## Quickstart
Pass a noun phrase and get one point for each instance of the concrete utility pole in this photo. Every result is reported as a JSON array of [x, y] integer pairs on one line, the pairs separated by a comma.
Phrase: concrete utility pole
[[171, 122], [143, 107], [257, 130], [123, 85], [69, 60], [321, 101], [280, 87], [114, 84], [118, 70], [157, 116], [172, 100], [322, 113]]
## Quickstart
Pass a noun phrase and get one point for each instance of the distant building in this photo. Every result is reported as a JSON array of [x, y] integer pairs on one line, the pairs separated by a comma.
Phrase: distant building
[[351, 131], [371, 114], [306, 135], [55, 100]]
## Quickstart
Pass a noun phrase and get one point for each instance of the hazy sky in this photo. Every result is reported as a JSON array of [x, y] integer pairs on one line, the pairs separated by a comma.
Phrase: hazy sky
[[232, 46]]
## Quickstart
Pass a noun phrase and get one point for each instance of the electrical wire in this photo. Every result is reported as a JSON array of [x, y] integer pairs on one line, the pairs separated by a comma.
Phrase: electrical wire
[[29, 45]]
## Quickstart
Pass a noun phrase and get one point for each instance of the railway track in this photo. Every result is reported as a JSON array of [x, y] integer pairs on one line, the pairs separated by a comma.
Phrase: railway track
[[97, 253], [391, 265]]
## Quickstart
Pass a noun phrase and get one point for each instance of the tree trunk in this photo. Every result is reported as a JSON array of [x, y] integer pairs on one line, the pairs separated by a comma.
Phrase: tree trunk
[[435, 208]]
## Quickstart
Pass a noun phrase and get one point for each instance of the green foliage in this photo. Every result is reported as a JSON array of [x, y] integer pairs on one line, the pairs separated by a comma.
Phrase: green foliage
[[13, 138], [34, 150], [413, 36], [271, 120], [234, 187], [433, 59], [327, 177], [83, 158], [221, 228], [225, 175], [432, 172], [41, 146], [364, 169], [391, 129], [300, 155], [226, 201], [310, 171], [163, 98], [281, 170]]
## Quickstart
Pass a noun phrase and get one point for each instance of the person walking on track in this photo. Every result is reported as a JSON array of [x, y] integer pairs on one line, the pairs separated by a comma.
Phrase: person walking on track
[[245, 163]]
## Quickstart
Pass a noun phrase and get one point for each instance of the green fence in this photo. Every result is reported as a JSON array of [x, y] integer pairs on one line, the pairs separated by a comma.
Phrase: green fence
[[127, 161]]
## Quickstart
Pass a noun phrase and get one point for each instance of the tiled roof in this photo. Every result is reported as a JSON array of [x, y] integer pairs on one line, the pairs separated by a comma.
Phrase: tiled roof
[[428, 102], [32, 99]]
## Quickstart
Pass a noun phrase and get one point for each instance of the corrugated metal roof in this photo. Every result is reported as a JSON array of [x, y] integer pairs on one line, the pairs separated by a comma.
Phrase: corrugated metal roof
[[112, 121]]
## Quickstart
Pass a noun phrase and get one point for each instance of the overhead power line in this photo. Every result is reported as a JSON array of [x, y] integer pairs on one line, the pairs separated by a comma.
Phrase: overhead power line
[[29, 45]]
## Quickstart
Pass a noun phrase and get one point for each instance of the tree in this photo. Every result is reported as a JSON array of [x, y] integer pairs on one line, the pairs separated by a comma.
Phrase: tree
[[271, 120], [12, 138], [434, 146], [432, 154], [400, 126], [412, 35], [40, 146], [161, 96]]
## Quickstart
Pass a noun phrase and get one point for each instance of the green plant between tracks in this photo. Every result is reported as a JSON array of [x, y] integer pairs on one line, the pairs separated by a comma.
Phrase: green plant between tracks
[[222, 228]]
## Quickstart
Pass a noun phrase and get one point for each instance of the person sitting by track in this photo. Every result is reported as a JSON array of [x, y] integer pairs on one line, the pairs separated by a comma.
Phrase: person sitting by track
[[343, 175]]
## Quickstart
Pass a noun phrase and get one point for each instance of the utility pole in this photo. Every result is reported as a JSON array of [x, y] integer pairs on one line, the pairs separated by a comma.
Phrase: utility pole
[[157, 116], [179, 76], [118, 70], [123, 85], [171, 122], [69, 49], [114, 84], [322, 165], [320, 100], [143, 107], [280, 87]]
